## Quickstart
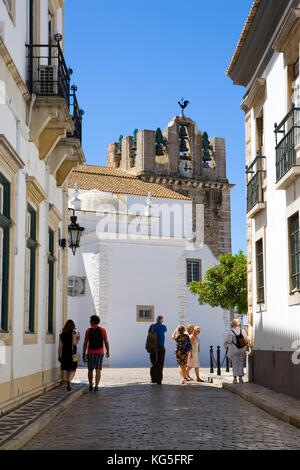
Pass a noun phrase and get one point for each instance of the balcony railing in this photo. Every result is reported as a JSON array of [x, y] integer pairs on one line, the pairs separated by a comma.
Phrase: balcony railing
[[77, 114], [255, 173], [48, 75], [288, 131]]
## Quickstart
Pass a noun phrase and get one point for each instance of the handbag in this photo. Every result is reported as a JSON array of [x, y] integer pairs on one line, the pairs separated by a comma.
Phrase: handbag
[[75, 357]]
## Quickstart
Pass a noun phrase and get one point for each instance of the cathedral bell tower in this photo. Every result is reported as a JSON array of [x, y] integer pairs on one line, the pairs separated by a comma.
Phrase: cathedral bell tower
[[183, 159]]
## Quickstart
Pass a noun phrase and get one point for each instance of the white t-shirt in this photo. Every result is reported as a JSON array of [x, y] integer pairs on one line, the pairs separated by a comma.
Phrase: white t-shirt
[[231, 341]]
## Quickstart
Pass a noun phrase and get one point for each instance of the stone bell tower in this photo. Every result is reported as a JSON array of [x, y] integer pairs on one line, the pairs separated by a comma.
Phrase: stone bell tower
[[185, 160]]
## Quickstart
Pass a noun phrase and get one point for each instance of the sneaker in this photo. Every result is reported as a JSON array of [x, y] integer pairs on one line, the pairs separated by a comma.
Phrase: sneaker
[[91, 388], [96, 389]]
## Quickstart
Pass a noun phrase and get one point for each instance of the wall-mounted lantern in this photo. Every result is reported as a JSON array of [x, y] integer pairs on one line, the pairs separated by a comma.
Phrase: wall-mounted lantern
[[75, 232]]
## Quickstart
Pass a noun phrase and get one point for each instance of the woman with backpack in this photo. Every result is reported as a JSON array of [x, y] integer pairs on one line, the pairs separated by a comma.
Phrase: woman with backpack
[[183, 346], [236, 343]]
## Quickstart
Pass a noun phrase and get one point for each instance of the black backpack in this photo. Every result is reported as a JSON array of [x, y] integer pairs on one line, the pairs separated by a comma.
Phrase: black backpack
[[95, 338], [240, 340], [151, 341]]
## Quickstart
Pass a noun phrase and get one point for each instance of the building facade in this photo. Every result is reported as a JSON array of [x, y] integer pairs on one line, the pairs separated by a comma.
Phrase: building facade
[[156, 218], [40, 142], [266, 63]]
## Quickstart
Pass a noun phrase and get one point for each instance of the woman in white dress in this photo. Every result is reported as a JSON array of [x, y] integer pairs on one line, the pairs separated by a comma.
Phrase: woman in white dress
[[193, 360], [236, 354]]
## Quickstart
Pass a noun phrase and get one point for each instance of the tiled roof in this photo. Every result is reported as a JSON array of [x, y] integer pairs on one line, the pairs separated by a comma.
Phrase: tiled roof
[[114, 180], [243, 37]]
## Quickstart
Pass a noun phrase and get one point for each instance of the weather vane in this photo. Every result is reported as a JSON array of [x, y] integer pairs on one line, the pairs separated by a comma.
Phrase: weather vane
[[183, 104]]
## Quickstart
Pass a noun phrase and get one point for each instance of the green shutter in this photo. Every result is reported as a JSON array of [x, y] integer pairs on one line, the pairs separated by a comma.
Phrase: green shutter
[[50, 281], [5, 224]]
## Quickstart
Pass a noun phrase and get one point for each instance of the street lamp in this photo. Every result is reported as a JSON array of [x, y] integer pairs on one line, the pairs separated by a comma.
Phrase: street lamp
[[75, 232]]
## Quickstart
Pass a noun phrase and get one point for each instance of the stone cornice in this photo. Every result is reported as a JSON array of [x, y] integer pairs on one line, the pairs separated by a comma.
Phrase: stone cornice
[[35, 192], [280, 42], [14, 71], [10, 157], [258, 85], [185, 183], [54, 216]]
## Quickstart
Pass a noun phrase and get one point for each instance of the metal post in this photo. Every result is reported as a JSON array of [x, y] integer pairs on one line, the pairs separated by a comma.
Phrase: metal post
[[211, 359], [218, 361], [227, 361]]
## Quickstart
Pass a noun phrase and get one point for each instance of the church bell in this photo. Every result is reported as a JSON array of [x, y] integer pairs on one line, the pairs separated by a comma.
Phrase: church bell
[[183, 147]]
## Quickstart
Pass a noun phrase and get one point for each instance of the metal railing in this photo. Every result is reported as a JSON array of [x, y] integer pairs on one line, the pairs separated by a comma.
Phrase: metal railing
[[255, 172], [77, 114], [48, 75], [285, 147]]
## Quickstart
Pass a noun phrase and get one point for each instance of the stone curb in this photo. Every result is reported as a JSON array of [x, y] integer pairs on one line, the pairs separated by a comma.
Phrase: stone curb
[[24, 436], [263, 404]]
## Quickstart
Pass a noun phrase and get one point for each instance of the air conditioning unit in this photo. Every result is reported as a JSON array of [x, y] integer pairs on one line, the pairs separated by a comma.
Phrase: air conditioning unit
[[48, 80]]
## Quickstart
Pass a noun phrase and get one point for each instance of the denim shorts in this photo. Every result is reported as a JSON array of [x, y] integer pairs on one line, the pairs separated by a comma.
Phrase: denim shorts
[[94, 361]]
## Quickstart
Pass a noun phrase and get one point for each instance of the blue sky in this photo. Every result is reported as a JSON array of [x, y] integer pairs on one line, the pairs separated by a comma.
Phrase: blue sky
[[134, 59]]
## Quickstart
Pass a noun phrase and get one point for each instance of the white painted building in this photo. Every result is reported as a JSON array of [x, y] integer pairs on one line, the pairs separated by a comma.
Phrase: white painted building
[[39, 145], [132, 264], [266, 62]]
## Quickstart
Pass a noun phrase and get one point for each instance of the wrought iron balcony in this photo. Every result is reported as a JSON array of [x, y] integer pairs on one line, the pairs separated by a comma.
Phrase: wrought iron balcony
[[77, 114], [287, 135], [255, 173], [48, 75]]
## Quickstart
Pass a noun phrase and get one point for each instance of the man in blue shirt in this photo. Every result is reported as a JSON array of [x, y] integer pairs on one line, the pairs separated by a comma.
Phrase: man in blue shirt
[[157, 358]]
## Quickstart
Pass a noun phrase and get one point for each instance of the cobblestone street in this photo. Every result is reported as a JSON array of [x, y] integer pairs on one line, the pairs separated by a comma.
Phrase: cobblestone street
[[130, 413]]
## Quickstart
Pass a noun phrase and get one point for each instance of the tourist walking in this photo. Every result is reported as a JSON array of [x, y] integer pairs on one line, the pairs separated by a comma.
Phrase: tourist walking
[[67, 348], [183, 346], [236, 343], [193, 359], [94, 339], [157, 356]]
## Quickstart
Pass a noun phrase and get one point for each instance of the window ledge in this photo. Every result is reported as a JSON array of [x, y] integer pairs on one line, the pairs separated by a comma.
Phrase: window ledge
[[50, 338], [6, 337], [259, 206], [294, 298], [30, 338], [261, 307], [288, 178]]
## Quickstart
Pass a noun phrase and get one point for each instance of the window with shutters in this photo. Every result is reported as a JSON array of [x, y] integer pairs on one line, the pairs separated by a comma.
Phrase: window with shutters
[[30, 279], [4, 251], [294, 252], [145, 313], [260, 271], [51, 261]]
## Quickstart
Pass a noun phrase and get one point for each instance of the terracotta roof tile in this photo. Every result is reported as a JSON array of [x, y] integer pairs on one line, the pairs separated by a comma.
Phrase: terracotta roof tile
[[113, 180]]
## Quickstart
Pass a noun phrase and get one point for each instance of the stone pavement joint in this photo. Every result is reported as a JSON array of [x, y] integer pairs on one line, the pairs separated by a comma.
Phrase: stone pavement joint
[[279, 405], [21, 424], [129, 413]]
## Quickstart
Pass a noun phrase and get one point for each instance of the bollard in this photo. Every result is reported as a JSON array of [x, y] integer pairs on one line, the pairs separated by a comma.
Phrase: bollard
[[211, 359], [218, 361], [227, 361]]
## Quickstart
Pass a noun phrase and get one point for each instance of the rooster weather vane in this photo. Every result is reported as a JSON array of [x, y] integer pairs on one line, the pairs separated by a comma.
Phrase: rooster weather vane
[[183, 104]]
